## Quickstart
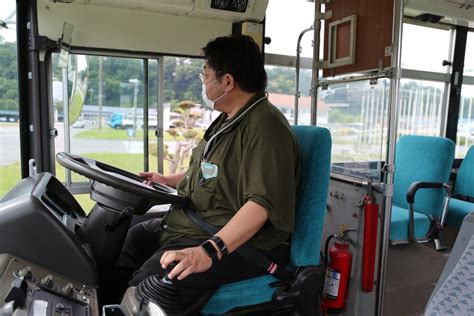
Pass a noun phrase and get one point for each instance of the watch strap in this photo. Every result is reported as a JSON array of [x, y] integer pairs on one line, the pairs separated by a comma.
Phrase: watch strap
[[220, 244]]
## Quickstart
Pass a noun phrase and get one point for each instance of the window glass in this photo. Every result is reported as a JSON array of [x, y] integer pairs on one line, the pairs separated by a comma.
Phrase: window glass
[[465, 135], [184, 117], [153, 114], [424, 48], [356, 115], [281, 92], [420, 107], [469, 57], [285, 35], [10, 169], [110, 125]]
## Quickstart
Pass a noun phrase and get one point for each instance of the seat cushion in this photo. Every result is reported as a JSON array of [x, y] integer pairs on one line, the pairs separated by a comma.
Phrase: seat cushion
[[399, 226], [244, 293], [458, 209]]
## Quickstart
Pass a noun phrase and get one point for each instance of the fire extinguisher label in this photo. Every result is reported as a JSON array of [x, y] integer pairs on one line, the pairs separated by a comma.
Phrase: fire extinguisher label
[[331, 283]]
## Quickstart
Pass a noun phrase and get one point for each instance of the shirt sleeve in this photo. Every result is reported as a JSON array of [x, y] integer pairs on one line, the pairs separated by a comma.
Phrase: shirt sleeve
[[269, 171]]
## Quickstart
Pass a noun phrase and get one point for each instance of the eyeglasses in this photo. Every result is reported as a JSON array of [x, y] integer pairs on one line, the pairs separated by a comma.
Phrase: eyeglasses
[[204, 76]]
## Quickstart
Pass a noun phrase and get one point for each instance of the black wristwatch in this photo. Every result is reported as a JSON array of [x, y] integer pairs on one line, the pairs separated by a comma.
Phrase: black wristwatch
[[210, 250], [220, 244]]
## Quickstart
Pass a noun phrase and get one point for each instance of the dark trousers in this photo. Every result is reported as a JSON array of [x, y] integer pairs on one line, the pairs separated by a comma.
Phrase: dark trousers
[[141, 255]]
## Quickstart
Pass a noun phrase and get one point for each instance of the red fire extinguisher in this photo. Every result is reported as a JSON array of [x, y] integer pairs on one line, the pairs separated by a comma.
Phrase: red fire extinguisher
[[338, 270]]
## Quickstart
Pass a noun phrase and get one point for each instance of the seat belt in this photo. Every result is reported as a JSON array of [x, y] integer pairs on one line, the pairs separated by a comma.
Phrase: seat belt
[[246, 251]]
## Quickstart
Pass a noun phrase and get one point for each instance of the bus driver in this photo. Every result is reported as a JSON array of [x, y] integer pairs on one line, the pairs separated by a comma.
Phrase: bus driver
[[242, 178]]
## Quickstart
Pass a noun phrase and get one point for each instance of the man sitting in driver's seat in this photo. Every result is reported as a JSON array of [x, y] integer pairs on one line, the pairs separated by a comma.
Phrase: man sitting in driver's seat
[[242, 179]]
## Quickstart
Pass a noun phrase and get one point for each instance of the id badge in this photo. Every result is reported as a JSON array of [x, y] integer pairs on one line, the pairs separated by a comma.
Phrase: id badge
[[208, 170]]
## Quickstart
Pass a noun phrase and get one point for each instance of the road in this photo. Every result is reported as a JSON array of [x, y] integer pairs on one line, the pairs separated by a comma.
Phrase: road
[[10, 143]]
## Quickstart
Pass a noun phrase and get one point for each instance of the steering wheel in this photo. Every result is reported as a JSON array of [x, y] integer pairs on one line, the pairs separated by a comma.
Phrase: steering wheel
[[119, 179]]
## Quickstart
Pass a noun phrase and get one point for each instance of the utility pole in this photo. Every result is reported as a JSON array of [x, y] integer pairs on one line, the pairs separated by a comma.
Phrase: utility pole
[[136, 82], [100, 93]]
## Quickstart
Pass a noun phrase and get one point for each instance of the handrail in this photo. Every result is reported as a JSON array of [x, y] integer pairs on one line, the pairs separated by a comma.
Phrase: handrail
[[297, 66]]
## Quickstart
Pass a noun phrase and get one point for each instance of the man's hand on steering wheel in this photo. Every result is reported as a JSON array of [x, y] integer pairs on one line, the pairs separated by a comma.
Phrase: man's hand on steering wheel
[[102, 173], [153, 177]]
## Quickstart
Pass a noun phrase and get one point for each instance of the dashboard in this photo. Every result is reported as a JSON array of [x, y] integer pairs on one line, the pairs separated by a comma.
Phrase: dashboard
[[46, 268]]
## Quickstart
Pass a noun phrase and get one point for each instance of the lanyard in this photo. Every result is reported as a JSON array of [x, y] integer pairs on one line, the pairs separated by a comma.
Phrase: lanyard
[[238, 118]]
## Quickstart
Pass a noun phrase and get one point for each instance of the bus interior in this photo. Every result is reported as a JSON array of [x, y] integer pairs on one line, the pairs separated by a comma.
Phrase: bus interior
[[97, 90]]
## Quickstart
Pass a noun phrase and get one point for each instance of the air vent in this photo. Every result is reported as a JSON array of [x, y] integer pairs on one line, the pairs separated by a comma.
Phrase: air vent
[[432, 18], [455, 12]]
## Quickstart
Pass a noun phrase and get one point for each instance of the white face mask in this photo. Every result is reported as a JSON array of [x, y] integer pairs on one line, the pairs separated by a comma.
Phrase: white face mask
[[207, 101]]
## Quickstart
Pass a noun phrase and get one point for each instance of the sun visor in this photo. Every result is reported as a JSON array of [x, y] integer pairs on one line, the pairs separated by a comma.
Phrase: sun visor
[[228, 10], [145, 25]]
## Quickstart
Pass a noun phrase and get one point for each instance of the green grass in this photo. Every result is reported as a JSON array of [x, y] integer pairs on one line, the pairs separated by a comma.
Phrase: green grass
[[9, 176], [110, 133], [122, 134]]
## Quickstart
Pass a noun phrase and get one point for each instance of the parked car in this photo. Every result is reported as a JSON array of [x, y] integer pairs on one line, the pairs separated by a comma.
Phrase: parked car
[[79, 123]]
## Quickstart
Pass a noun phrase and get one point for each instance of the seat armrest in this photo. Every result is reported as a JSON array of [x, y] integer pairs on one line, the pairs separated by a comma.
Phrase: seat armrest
[[414, 187], [425, 185]]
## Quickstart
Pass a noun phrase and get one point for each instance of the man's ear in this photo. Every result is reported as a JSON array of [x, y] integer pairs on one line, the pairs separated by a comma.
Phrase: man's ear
[[230, 83]]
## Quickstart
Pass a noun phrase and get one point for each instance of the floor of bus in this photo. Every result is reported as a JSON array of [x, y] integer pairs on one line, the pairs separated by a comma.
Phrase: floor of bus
[[412, 273]]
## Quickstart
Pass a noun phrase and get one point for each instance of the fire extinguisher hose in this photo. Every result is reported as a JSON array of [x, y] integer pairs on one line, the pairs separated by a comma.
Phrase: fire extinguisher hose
[[326, 249]]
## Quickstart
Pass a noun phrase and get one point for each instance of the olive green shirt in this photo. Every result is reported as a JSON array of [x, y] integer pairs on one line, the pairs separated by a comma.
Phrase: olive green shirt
[[257, 160]]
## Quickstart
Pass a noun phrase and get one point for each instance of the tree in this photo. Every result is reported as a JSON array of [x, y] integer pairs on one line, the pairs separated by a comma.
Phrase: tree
[[184, 128], [8, 76]]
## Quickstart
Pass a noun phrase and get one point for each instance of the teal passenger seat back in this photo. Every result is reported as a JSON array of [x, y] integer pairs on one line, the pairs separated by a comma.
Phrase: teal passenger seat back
[[465, 176], [461, 202], [419, 159], [314, 146]]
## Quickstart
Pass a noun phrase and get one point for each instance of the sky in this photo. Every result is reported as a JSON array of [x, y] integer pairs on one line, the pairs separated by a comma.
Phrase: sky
[[7, 7]]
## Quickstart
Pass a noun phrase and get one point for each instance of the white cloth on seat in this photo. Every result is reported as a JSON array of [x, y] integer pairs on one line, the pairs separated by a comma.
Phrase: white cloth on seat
[[456, 294]]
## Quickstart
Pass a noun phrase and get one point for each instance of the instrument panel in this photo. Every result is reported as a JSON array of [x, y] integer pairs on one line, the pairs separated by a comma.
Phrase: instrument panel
[[29, 289]]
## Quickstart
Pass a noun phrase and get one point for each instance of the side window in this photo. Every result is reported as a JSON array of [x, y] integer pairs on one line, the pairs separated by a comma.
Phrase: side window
[[424, 48], [469, 58], [356, 115], [284, 35], [421, 107], [10, 170], [106, 110], [282, 50], [281, 92], [425, 80], [465, 135], [185, 118]]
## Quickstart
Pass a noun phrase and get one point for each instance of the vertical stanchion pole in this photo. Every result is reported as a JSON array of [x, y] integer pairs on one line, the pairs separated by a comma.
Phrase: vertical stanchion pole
[[315, 75], [392, 138]]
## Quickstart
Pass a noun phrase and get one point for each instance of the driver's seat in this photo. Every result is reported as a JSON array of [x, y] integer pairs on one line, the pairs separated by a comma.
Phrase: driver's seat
[[314, 145]]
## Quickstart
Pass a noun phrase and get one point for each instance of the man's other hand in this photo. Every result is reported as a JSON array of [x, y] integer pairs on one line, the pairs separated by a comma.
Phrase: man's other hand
[[189, 260]]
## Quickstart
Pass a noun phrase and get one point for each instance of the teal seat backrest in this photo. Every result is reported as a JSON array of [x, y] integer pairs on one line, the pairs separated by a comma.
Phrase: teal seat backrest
[[465, 177], [426, 159], [314, 145]]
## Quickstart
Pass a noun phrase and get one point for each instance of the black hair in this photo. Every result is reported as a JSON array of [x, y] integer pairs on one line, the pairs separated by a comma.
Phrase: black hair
[[239, 56]]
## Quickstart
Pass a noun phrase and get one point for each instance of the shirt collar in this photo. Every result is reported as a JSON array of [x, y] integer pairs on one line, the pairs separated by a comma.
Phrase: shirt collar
[[222, 120]]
